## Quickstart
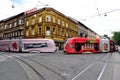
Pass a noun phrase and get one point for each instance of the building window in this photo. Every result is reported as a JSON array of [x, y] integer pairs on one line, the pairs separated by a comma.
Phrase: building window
[[21, 32], [5, 26], [58, 31], [35, 15], [48, 18], [40, 30], [27, 23], [27, 32], [47, 30], [58, 21], [10, 26], [15, 24], [33, 21], [62, 31], [18, 33], [67, 34], [20, 21], [62, 23], [53, 30], [14, 34], [11, 34], [53, 19], [66, 24], [40, 19], [33, 32]]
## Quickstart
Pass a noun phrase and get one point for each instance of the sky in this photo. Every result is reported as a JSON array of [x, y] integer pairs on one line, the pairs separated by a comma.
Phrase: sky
[[90, 12]]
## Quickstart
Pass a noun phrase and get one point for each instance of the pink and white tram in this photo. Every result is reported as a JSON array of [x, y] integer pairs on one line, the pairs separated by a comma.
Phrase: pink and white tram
[[4, 45], [28, 45]]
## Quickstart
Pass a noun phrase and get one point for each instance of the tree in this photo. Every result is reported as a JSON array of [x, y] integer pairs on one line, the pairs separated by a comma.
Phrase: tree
[[116, 37], [106, 36]]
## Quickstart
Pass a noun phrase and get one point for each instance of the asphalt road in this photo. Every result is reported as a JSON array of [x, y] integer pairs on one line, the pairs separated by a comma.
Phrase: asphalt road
[[59, 66]]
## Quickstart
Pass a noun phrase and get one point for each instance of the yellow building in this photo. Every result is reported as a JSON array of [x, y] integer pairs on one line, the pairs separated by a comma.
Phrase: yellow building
[[51, 24]]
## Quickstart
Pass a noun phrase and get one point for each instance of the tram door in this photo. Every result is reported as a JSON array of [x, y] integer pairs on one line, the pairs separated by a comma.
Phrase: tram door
[[77, 47], [96, 46]]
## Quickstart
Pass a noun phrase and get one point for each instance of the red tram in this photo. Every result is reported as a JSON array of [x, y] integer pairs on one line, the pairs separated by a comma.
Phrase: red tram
[[88, 45], [82, 45]]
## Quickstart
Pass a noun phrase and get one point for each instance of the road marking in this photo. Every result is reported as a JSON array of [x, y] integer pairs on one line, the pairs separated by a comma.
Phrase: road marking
[[87, 68], [83, 71], [102, 70], [104, 67]]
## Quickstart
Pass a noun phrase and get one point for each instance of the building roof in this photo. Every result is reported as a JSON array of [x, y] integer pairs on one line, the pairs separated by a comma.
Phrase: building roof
[[80, 23], [12, 17]]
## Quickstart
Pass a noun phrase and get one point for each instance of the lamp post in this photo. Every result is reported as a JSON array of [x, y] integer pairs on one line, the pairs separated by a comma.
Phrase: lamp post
[[13, 5]]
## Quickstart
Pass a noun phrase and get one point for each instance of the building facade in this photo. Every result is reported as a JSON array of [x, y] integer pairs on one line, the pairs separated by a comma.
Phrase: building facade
[[84, 31], [13, 27], [51, 24]]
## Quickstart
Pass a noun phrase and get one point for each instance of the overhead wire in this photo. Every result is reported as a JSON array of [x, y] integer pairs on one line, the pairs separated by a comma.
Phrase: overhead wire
[[98, 15], [97, 11], [96, 7]]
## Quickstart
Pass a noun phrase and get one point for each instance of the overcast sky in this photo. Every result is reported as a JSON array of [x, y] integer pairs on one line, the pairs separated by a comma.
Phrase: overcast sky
[[89, 12]]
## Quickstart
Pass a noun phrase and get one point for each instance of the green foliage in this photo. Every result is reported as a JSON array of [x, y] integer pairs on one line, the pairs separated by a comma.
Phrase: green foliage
[[106, 36], [116, 37]]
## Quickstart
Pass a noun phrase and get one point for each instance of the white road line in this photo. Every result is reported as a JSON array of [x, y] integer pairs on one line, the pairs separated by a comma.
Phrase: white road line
[[83, 71], [86, 69], [104, 67], [102, 71]]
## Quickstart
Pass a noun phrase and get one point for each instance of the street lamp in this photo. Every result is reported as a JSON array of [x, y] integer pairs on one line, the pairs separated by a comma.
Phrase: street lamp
[[13, 6]]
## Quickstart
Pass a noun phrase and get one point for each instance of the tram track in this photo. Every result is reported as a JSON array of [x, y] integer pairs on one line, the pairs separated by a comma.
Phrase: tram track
[[68, 72], [99, 77], [90, 66], [37, 67], [44, 67], [31, 72], [34, 69], [58, 72]]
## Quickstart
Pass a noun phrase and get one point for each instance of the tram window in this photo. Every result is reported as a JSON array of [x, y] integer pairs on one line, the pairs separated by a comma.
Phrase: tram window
[[96, 46], [35, 45], [43, 44]]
